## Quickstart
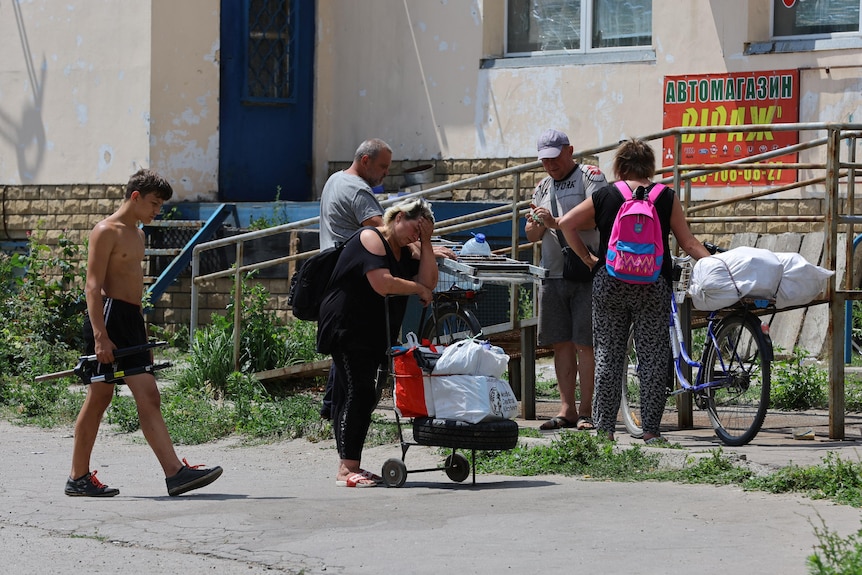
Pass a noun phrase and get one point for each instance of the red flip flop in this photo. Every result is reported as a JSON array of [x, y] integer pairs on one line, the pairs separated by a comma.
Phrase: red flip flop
[[371, 476], [356, 480]]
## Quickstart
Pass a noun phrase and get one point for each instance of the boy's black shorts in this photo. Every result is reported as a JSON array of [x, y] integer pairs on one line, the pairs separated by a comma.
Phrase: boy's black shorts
[[125, 324]]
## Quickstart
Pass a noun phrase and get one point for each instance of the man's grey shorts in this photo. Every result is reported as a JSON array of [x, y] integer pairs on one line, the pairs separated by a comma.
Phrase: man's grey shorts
[[565, 312]]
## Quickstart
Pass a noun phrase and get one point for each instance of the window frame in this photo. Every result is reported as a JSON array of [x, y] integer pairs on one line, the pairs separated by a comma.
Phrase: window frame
[[289, 42], [586, 31], [815, 35], [804, 43]]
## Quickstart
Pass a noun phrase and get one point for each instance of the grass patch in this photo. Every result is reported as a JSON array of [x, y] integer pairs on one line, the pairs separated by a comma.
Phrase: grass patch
[[836, 479], [570, 454], [547, 389]]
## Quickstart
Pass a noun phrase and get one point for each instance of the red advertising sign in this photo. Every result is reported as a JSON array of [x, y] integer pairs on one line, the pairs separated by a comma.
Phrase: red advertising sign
[[733, 99]]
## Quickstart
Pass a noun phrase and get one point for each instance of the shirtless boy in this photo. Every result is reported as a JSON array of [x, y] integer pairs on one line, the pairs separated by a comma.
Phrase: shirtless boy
[[115, 283]]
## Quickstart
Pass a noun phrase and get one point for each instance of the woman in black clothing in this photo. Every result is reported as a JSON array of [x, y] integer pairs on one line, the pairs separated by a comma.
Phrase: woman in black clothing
[[352, 328]]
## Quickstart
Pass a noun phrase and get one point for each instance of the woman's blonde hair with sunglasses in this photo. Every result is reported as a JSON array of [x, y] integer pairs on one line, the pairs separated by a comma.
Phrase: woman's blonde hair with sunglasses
[[412, 209]]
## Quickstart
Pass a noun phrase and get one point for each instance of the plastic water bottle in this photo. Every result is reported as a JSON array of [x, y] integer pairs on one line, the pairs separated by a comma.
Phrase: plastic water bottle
[[476, 246]]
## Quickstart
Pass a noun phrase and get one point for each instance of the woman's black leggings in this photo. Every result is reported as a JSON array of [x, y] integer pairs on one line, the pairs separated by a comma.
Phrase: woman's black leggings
[[354, 397]]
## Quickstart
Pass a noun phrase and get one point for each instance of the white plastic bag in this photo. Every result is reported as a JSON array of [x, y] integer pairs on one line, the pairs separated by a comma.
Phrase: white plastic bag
[[472, 357], [801, 282], [472, 398], [720, 280]]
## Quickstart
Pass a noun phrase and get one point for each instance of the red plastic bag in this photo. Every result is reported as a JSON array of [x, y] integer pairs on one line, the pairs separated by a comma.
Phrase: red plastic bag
[[412, 389]]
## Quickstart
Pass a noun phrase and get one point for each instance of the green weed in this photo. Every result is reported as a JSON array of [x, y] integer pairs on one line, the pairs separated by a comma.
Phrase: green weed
[[265, 343], [715, 470], [570, 454], [123, 413], [277, 218], [837, 479], [835, 555], [195, 418], [797, 383]]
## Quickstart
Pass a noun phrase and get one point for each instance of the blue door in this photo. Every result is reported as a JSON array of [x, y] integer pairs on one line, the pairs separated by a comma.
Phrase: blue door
[[267, 63]]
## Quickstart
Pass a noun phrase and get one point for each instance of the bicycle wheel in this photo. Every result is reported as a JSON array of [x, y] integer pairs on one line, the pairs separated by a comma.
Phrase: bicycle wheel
[[739, 363], [450, 323], [630, 404]]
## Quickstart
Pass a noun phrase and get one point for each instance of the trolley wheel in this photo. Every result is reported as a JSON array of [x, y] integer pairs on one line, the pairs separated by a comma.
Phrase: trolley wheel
[[487, 435], [457, 467], [394, 472]]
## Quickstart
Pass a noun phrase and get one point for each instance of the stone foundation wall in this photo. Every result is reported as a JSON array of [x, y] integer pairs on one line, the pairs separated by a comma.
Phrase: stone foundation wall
[[719, 232]]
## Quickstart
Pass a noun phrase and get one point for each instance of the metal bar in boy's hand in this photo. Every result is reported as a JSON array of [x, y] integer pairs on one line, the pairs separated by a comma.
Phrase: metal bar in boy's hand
[[83, 360]]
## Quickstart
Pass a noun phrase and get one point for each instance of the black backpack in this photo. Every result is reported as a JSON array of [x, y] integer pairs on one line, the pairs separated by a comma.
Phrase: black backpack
[[311, 282], [308, 284]]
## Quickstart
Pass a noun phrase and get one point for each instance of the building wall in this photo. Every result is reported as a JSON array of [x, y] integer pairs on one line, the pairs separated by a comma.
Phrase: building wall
[[92, 91], [74, 91], [185, 96], [444, 104]]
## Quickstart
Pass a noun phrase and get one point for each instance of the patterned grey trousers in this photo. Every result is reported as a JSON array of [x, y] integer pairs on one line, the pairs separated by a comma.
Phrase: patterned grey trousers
[[617, 306]]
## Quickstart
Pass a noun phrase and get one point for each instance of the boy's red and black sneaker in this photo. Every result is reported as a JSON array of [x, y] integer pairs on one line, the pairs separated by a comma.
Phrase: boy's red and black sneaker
[[191, 477], [89, 486]]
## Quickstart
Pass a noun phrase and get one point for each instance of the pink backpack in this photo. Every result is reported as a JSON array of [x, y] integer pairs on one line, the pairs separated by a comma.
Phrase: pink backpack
[[636, 246]]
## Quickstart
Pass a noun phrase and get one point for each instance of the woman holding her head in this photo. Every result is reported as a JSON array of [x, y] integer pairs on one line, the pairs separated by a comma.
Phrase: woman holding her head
[[353, 328], [618, 305]]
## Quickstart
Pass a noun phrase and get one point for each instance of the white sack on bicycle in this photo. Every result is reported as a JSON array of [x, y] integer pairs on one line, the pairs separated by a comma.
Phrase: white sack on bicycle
[[721, 280], [472, 357], [801, 282]]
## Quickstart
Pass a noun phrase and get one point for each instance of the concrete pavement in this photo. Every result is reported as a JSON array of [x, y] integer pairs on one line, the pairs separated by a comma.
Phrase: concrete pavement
[[276, 509]]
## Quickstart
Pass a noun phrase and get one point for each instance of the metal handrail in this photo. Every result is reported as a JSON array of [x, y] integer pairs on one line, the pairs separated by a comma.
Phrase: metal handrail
[[680, 179]]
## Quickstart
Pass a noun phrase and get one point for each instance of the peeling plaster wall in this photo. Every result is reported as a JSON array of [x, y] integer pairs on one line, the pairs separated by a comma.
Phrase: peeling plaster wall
[[90, 90], [87, 97], [402, 71], [185, 96], [74, 91]]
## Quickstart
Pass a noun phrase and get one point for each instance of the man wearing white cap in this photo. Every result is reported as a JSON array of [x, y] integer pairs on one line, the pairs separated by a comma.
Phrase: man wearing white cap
[[565, 305]]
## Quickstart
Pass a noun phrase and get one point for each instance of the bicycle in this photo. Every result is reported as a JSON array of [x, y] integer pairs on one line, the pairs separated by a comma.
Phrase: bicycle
[[733, 374], [451, 316]]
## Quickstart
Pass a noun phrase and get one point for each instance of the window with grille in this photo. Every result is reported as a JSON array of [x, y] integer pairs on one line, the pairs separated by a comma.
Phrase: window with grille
[[270, 62]]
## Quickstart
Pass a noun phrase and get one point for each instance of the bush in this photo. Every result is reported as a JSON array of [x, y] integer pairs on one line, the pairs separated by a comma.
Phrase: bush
[[265, 343], [41, 308], [797, 383]]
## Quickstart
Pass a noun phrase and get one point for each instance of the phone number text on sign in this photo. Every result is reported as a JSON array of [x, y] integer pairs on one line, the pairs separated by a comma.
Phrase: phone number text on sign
[[742, 176]]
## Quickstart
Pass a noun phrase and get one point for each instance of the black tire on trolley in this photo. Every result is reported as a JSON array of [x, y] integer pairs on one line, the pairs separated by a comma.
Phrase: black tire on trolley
[[450, 322], [742, 359], [487, 435]]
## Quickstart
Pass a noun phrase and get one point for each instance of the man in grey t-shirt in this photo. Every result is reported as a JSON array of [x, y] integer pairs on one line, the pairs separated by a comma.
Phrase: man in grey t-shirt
[[347, 202]]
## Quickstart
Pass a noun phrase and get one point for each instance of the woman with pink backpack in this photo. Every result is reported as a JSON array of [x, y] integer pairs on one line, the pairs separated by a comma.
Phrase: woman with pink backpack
[[633, 283]]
